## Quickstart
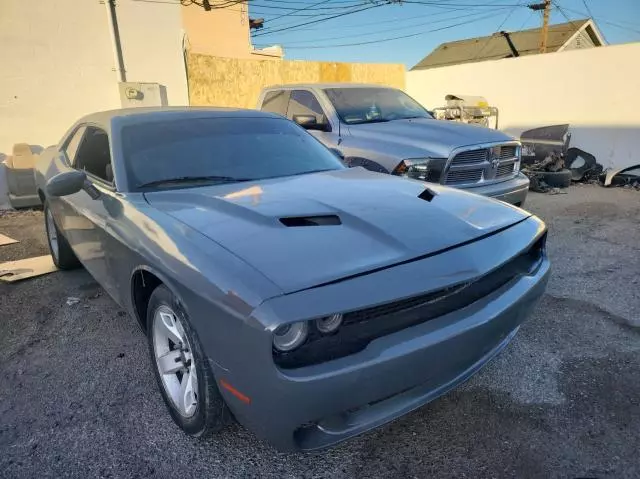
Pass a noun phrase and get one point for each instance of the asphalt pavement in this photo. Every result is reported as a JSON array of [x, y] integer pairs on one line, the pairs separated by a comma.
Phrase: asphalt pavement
[[78, 399]]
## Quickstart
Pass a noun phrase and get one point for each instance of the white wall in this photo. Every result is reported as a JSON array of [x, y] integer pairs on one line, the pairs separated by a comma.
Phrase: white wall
[[596, 91], [151, 37], [57, 63]]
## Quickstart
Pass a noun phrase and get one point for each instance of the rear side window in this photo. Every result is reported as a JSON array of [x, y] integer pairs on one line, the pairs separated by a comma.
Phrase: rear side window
[[305, 103], [94, 156], [276, 102]]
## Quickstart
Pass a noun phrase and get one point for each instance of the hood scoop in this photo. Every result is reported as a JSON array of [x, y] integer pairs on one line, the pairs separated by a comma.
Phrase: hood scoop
[[323, 220], [427, 195]]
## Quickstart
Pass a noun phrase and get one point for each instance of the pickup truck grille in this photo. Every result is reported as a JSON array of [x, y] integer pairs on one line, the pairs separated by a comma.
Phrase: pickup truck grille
[[482, 164], [471, 157], [505, 170], [458, 177]]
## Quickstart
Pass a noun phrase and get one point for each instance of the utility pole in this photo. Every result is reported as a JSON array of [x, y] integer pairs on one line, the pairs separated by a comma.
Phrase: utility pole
[[545, 6]]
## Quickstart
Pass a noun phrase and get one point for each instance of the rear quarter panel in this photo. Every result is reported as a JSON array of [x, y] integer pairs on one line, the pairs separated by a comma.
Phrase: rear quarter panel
[[47, 165]]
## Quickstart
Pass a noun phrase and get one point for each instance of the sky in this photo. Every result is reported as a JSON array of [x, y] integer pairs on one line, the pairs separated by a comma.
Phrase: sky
[[424, 23]]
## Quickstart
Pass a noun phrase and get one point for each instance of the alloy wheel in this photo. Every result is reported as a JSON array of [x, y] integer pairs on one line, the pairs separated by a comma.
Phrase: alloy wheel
[[175, 362]]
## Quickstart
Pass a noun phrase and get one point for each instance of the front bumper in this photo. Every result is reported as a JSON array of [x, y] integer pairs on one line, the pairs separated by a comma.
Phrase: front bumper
[[512, 191], [317, 406]]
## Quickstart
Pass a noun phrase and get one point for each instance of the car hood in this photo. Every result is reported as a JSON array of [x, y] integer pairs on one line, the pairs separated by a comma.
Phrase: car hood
[[382, 221], [436, 137]]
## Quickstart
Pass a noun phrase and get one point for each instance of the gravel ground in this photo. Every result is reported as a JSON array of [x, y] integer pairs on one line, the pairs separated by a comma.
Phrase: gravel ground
[[78, 399]]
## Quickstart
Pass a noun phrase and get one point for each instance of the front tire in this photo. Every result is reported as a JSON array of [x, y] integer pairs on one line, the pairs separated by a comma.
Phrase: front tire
[[183, 373], [61, 252]]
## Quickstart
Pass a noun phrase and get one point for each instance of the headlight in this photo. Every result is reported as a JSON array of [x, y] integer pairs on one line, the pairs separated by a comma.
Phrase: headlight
[[423, 169], [329, 324], [289, 336]]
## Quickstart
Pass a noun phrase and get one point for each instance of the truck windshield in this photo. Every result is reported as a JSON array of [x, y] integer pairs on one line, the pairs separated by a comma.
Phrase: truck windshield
[[372, 105], [200, 151]]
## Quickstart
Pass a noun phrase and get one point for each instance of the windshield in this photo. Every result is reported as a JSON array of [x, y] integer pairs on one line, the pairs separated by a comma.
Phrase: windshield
[[371, 105], [220, 150]]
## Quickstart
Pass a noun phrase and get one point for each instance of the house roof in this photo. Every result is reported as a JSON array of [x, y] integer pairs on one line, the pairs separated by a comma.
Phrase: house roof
[[495, 47]]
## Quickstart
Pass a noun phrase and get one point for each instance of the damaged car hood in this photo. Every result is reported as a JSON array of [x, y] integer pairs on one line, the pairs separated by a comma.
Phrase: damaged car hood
[[302, 231]]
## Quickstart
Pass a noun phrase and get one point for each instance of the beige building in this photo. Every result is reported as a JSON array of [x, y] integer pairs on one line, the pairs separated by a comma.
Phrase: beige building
[[223, 32]]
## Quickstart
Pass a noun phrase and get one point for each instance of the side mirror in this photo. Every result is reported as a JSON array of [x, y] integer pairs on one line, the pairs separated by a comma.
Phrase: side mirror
[[338, 153], [310, 122], [66, 183]]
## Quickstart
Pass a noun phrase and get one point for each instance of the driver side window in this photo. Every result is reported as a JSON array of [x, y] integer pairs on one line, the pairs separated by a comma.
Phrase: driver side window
[[94, 155], [304, 102]]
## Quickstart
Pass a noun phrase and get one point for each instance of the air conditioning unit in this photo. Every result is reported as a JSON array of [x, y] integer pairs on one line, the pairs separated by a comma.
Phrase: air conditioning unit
[[137, 94]]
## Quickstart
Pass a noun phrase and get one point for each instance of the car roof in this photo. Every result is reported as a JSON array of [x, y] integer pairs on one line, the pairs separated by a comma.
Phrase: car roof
[[144, 114], [321, 86]]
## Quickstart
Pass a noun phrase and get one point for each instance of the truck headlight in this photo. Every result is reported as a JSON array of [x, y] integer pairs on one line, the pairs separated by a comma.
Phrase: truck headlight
[[423, 169]]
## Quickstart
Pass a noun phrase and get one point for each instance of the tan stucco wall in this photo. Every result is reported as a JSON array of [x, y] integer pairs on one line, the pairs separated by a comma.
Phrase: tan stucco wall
[[237, 82], [220, 32], [595, 90]]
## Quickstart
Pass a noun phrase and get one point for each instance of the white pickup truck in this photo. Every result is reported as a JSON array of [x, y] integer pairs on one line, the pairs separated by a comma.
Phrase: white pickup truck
[[385, 130]]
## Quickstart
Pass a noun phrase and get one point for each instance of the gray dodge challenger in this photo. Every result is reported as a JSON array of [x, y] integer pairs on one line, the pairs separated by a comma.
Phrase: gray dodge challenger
[[309, 301]]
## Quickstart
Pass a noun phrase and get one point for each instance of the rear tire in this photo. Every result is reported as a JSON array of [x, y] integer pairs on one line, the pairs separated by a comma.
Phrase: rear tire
[[556, 179], [190, 392], [61, 252]]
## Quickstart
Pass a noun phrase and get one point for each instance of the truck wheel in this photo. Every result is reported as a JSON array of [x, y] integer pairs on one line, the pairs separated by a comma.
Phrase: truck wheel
[[556, 179], [61, 252]]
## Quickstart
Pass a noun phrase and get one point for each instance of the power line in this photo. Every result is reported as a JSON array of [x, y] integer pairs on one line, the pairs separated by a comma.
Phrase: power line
[[302, 9], [422, 24], [602, 20], [584, 2], [435, 4], [298, 2], [480, 5], [393, 20], [381, 40], [186, 3], [318, 20], [499, 28], [292, 14], [309, 7], [525, 21]]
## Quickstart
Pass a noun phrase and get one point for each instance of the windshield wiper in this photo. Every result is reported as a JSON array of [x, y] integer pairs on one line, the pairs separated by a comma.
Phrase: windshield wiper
[[375, 120], [300, 173], [194, 179]]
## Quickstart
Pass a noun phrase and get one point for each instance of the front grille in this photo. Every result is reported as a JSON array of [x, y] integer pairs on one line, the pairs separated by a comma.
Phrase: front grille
[[505, 170], [470, 157], [457, 177], [473, 166], [361, 327], [507, 152]]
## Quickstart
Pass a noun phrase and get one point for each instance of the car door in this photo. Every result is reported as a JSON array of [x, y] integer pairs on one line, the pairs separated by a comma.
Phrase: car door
[[86, 213], [304, 102], [59, 206]]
